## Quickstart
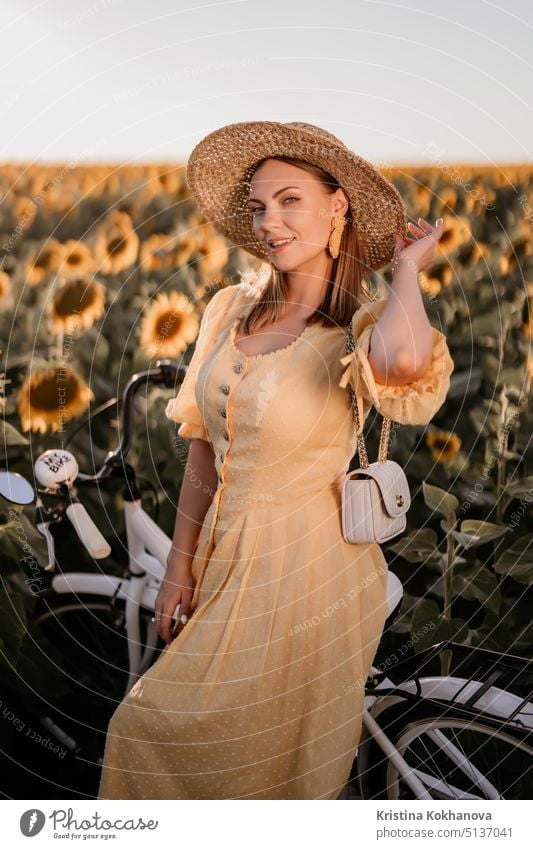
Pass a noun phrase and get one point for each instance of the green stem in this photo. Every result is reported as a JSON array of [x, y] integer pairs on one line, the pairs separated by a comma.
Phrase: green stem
[[446, 656], [503, 441]]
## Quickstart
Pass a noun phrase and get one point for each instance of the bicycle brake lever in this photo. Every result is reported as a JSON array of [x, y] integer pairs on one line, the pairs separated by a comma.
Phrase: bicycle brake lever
[[43, 528]]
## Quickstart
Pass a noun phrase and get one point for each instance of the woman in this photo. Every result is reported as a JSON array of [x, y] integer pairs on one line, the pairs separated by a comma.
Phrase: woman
[[259, 695]]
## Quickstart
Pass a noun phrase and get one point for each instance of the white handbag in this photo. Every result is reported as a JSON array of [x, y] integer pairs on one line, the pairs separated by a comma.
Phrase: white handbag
[[375, 497]]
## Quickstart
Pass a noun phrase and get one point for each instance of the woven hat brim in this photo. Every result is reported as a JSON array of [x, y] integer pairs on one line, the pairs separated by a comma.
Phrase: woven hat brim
[[219, 167]]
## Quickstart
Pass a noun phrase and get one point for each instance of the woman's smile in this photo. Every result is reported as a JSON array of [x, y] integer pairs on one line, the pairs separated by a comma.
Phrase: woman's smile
[[277, 247]]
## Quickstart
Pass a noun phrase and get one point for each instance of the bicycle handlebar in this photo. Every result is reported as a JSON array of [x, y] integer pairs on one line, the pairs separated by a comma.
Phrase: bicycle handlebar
[[166, 373], [93, 540], [90, 536]]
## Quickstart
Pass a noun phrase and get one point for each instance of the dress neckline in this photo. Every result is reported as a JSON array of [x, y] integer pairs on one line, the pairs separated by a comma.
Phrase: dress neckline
[[267, 354]]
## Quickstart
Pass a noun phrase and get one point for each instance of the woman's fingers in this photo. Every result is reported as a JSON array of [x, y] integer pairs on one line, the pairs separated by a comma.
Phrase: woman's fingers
[[177, 588], [185, 606], [165, 624], [164, 614], [416, 230], [164, 611], [426, 229]]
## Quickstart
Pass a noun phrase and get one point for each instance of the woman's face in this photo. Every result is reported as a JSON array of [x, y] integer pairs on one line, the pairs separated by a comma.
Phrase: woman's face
[[290, 203]]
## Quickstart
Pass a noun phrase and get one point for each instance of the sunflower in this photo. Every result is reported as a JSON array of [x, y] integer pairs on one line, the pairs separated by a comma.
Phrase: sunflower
[[171, 179], [195, 219], [51, 397], [187, 245], [116, 248], [430, 285], [155, 252], [472, 252], [527, 326], [214, 255], [5, 290], [25, 210], [46, 261], [422, 197], [77, 305], [455, 233], [443, 444], [438, 275], [478, 195], [77, 260], [3, 383], [110, 184], [447, 199], [169, 325], [515, 256]]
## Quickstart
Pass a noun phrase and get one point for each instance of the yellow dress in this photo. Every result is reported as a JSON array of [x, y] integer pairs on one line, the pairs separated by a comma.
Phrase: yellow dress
[[260, 694]]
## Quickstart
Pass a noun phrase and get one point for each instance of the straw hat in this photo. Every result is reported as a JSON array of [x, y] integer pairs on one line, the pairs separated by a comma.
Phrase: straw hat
[[221, 164]]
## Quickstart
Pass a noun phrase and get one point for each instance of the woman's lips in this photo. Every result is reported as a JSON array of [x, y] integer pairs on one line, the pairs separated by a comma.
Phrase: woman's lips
[[277, 248]]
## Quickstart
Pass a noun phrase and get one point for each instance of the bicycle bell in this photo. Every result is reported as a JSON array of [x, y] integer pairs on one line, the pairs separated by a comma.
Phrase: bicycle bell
[[55, 467]]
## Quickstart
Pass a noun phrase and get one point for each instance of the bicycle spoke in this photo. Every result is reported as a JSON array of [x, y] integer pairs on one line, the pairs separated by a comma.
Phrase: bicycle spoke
[[460, 759]]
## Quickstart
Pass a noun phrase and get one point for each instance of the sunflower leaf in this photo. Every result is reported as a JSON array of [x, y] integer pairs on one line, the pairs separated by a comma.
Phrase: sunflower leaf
[[10, 435]]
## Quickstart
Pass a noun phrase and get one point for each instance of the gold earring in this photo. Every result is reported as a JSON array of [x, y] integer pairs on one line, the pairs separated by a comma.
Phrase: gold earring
[[335, 235]]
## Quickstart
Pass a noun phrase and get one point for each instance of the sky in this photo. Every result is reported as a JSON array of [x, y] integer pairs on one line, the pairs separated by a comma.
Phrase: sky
[[402, 82]]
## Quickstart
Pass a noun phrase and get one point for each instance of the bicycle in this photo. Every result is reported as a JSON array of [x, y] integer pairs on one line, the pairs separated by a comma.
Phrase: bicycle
[[447, 737], [96, 630], [430, 737]]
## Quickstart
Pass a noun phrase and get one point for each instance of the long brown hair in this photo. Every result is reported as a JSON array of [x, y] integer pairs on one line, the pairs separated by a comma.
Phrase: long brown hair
[[345, 281]]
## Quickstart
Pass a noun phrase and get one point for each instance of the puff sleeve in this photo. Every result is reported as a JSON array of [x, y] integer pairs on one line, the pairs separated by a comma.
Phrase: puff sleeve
[[411, 403], [184, 408]]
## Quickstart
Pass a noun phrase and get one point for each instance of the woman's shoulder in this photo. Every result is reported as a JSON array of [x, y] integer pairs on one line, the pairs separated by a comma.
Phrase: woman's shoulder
[[223, 308], [226, 298]]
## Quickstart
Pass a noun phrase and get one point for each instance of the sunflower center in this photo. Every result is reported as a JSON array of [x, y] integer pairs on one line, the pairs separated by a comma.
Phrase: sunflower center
[[74, 298], [168, 324], [44, 260], [115, 246], [45, 395]]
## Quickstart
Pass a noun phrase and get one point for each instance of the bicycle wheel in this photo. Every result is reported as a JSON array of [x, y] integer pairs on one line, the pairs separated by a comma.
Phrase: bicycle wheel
[[86, 642], [454, 757]]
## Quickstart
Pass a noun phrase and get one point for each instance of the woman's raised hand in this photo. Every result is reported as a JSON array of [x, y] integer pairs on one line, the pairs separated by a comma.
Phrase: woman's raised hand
[[420, 249]]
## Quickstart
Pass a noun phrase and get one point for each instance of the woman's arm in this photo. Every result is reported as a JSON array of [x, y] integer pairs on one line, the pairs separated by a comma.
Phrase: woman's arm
[[402, 340], [196, 494]]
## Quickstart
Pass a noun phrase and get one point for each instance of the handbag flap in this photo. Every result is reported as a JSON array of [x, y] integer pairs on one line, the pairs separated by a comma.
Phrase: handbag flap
[[392, 483]]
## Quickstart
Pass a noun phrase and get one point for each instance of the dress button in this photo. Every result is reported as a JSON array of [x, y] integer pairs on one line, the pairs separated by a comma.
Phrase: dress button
[[221, 458], [226, 435], [222, 413], [225, 389], [237, 367]]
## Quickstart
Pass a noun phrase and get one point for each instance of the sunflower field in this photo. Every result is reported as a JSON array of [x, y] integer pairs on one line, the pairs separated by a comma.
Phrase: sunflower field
[[105, 269]]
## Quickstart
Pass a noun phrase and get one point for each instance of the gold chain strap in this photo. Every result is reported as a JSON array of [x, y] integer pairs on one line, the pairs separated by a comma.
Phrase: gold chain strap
[[386, 424]]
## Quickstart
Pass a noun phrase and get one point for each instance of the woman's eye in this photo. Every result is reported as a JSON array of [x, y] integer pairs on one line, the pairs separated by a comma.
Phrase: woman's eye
[[260, 208]]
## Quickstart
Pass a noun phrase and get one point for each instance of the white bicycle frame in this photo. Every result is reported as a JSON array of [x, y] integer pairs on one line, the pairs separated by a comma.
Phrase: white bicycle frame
[[148, 549], [494, 702]]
